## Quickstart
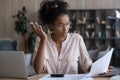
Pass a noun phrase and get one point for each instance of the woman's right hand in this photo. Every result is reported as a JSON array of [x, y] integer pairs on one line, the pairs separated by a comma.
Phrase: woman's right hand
[[38, 30]]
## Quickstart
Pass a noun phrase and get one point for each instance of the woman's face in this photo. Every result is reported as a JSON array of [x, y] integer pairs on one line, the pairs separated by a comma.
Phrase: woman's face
[[61, 25]]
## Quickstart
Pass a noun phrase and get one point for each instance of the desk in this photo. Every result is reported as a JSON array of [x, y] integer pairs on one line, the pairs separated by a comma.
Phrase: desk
[[41, 75]]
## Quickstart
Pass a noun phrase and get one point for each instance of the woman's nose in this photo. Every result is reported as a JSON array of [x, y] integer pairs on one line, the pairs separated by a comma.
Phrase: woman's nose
[[66, 28]]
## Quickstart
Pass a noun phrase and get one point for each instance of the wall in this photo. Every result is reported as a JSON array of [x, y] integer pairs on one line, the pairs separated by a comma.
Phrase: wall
[[10, 7]]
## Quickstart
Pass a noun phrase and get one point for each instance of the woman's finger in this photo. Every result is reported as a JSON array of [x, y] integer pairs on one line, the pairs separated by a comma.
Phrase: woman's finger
[[38, 28], [33, 26]]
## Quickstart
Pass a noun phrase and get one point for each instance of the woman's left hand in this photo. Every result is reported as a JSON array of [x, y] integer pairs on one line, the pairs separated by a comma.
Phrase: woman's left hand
[[108, 71]]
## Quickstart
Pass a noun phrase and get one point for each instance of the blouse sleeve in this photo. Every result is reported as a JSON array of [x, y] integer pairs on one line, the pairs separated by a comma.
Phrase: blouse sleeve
[[84, 58], [35, 48], [35, 53]]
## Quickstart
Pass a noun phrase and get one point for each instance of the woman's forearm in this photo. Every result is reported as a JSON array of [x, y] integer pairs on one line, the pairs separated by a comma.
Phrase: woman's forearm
[[39, 59]]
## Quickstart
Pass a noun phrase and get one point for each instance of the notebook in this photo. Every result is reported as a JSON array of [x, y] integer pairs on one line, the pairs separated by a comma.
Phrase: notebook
[[12, 64]]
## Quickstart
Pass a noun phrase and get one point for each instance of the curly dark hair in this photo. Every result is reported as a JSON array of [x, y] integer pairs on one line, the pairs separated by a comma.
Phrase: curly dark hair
[[51, 9]]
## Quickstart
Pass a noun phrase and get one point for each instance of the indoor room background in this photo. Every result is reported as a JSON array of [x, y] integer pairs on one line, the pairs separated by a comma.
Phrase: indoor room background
[[8, 8]]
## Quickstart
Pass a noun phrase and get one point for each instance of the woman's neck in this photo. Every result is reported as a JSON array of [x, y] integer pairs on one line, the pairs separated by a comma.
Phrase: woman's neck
[[57, 39]]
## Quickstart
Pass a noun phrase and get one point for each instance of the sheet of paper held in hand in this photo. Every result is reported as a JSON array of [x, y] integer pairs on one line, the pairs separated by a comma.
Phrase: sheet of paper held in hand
[[98, 67], [101, 65]]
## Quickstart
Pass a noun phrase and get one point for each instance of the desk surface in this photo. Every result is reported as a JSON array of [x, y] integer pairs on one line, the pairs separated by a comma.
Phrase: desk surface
[[41, 75]]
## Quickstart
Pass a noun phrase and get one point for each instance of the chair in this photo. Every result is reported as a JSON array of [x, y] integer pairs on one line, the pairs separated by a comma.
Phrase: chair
[[102, 53], [7, 44], [99, 52]]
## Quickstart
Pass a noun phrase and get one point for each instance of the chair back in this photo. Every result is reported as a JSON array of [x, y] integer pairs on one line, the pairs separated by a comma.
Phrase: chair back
[[7, 44]]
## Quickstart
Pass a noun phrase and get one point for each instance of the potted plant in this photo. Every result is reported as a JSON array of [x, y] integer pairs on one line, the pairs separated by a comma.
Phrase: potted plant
[[21, 25], [31, 41]]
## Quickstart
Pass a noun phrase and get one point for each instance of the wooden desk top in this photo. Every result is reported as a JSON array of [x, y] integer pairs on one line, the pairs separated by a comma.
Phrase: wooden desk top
[[41, 75]]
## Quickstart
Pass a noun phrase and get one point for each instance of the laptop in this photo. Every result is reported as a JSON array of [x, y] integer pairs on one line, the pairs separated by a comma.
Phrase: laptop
[[12, 65]]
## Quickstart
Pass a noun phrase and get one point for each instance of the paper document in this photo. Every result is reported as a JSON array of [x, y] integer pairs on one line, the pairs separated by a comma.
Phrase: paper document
[[67, 77], [101, 65]]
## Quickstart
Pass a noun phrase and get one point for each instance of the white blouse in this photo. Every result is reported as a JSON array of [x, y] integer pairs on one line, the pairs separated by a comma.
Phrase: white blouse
[[73, 53]]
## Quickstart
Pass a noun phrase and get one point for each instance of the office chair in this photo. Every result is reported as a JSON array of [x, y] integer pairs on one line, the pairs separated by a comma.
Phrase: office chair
[[7, 44]]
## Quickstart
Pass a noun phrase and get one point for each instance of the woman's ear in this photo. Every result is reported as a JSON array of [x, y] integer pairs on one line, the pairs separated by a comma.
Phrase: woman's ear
[[51, 27]]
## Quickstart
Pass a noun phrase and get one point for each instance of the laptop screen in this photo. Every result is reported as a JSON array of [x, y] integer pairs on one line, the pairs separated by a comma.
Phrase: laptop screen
[[12, 64]]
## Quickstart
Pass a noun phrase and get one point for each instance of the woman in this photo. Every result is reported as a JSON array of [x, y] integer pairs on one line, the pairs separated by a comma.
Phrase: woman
[[58, 52]]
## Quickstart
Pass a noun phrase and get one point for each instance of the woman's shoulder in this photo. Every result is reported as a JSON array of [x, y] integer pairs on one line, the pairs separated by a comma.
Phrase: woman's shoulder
[[75, 35]]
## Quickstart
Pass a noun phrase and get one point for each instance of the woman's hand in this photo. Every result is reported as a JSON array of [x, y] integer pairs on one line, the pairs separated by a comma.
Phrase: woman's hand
[[38, 30], [108, 73]]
